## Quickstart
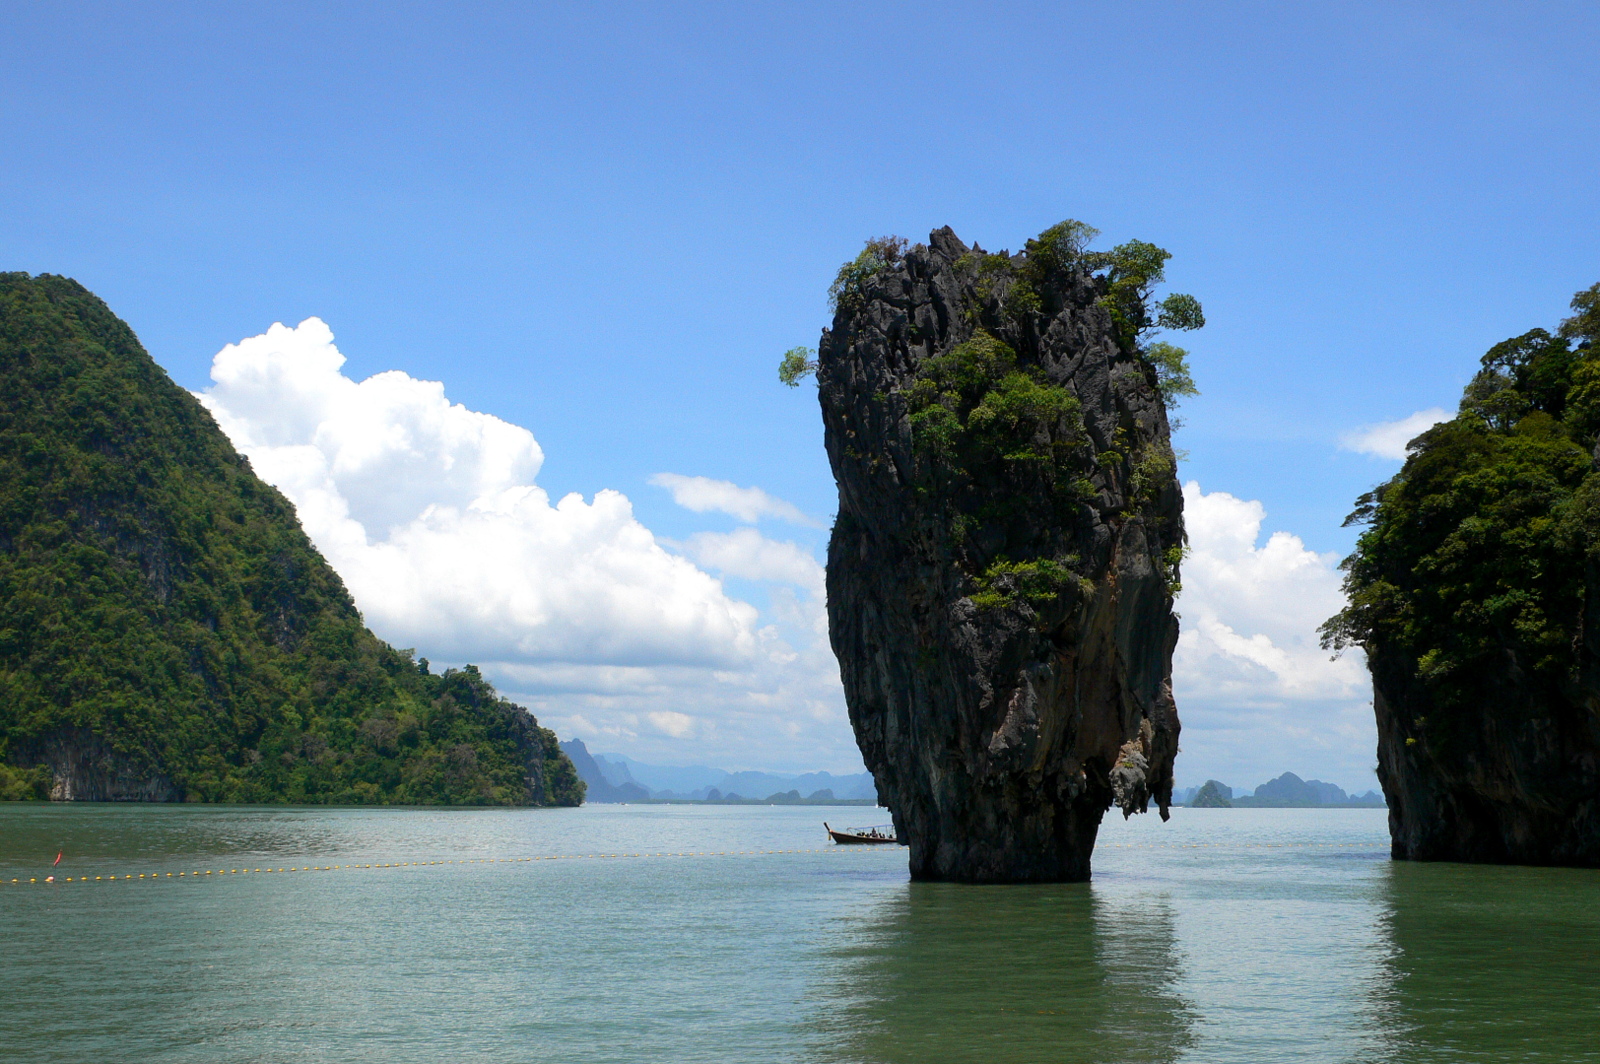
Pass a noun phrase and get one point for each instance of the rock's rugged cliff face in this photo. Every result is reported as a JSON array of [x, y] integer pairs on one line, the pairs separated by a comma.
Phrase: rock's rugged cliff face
[[85, 769], [1001, 572], [1520, 784], [1475, 592], [1510, 777]]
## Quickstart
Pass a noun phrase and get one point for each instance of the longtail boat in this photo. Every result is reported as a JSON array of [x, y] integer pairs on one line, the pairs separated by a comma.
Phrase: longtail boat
[[878, 836]]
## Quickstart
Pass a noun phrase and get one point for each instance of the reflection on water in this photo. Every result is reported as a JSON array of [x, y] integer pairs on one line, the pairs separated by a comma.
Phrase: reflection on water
[[1244, 936], [960, 973], [1491, 963]]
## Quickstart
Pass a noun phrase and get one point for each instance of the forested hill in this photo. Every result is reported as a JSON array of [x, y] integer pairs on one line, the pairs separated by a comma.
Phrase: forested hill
[[167, 630]]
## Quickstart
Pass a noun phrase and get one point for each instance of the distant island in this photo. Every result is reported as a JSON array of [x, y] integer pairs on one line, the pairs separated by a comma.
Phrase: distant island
[[617, 779], [1288, 791], [167, 630]]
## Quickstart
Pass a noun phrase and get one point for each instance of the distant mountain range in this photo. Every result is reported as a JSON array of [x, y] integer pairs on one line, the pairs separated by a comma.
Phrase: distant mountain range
[[618, 778], [1288, 791]]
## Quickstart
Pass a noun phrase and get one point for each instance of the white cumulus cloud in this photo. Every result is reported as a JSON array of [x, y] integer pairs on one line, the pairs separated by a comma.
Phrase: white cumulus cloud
[[677, 725], [1388, 439], [704, 495], [431, 514], [1256, 692]]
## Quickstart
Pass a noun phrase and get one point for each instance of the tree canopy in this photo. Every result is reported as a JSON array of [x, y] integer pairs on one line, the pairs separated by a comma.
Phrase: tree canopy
[[1472, 562]]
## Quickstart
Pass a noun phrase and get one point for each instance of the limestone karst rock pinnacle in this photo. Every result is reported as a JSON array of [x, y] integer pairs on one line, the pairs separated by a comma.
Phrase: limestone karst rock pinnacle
[[1001, 573]]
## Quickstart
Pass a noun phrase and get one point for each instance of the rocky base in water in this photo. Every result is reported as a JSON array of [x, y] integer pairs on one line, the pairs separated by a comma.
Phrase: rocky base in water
[[1526, 792], [1001, 572]]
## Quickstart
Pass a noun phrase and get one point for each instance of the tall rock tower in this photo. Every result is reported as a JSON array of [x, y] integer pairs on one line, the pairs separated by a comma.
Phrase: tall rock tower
[[1002, 570]]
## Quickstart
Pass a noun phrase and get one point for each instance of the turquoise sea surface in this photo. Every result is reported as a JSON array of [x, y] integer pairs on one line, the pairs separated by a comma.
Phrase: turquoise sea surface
[[737, 934]]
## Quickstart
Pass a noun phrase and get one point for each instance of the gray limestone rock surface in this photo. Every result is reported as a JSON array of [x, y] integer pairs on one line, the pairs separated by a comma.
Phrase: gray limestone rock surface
[[84, 768], [1518, 782], [1003, 623]]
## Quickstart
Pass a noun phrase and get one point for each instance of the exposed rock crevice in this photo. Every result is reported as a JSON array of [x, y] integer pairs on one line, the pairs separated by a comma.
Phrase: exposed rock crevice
[[84, 768], [1002, 614]]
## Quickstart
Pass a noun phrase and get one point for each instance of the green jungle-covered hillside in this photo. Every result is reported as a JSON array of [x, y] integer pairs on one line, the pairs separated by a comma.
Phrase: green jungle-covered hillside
[[167, 630]]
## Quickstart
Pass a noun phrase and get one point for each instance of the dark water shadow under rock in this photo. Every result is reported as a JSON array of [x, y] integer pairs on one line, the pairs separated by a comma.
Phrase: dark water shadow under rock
[[937, 972], [1491, 963]]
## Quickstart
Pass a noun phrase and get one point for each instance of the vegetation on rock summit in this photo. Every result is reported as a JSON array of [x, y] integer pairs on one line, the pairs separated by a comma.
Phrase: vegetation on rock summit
[[984, 417], [1472, 565]]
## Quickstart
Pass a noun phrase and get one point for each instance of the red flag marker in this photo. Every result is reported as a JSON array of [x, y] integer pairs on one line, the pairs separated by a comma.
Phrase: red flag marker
[[58, 858]]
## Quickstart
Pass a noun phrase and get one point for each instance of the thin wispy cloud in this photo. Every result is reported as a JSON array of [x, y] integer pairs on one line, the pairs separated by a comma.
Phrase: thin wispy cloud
[[747, 554], [704, 495], [1388, 439]]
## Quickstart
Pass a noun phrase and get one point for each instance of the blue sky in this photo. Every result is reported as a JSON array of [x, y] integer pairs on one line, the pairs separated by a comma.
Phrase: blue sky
[[603, 223]]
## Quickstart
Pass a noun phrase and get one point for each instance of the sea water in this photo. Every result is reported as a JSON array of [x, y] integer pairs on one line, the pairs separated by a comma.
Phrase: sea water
[[738, 934]]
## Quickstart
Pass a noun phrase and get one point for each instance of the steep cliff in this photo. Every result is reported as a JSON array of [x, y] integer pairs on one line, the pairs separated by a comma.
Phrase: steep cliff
[[596, 787], [168, 632], [1001, 573], [1475, 591]]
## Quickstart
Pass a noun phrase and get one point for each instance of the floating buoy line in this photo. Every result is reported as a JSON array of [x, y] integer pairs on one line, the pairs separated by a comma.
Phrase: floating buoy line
[[165, 877], [1248, 845], [174, 877]]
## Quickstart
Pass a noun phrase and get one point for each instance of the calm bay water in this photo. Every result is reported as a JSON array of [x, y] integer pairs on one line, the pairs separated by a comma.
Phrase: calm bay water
[[1224, 935]]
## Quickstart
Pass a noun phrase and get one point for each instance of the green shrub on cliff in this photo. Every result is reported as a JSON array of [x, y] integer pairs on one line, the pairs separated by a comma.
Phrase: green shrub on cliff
[[1037, 582], [1129, 274], [1472, 564], [974, 406], [161, 609], [853, 277], [980, 415], [978, 418], [797, 364]]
